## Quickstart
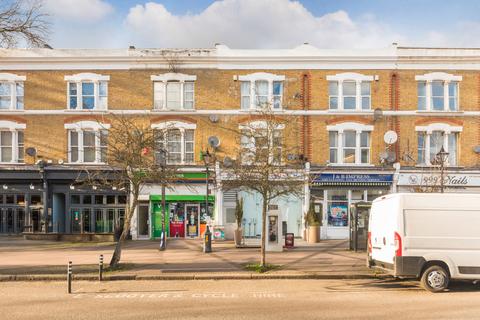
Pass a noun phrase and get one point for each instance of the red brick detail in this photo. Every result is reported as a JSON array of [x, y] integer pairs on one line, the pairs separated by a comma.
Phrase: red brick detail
[[455, 122], [13, 118], [359, 119], [172, 118]]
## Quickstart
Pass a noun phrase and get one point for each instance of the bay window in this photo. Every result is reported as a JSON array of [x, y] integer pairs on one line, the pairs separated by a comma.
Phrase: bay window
[[261, 90], [11, 91], [173, 91], [430, 140], [349, 91], [438, 91], [87, 91], [349, 144]]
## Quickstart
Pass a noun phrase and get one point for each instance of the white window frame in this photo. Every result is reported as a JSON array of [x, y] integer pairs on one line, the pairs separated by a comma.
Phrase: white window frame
[[447, 130], [251, 145], [14, 128], [13, 80], [78, 80], [446, 78], [182, 127], [262, 76], [350, 77], [358, 128], [80, 127], [163, 80]]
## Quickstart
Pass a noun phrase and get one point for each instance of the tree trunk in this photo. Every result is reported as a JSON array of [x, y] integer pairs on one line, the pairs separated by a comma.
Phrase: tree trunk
[[264, 231], [126, 228]]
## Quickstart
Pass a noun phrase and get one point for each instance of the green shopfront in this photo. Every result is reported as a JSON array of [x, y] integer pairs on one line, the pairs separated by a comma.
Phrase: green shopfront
[[186, 215], [185, 207]]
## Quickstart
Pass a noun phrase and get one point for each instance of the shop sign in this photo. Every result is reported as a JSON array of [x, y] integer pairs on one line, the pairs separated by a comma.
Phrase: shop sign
[[353, 178], [450, 180]]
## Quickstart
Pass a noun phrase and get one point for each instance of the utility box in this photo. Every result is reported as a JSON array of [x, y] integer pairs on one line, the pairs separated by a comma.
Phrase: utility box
[[274, 230]]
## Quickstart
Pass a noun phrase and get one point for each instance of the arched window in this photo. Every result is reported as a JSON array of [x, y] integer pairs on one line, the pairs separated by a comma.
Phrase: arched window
[[349, 91], [11, 142], [87, 142], [432, 138], [87, 91], [438, 91]]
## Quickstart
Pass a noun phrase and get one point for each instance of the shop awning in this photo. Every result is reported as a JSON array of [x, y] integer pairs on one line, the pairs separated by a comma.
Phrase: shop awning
[[347, 179], [178, 197]]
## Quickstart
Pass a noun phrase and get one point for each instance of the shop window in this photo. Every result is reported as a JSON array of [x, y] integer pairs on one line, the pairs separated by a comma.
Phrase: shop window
[[9, 199], [35, 199], [122, 199], [20, 199], [98, 199], [75, 199], [337, 209], [100, 221], [110, 199], [87, 199]]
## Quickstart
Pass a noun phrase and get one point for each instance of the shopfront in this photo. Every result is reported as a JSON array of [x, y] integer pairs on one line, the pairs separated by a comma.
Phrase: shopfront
[[336, 193], [186, 215], [430, 181]]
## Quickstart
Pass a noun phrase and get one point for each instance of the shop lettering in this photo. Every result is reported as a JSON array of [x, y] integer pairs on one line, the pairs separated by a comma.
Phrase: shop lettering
[[448, 180]]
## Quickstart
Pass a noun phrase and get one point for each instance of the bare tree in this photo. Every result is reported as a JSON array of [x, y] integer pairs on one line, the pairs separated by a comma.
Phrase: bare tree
[[267, 162], [136, 155], [23, 20]]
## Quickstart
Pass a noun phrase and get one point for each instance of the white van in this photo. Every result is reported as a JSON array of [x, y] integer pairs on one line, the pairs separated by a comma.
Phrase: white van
[[433, 237]]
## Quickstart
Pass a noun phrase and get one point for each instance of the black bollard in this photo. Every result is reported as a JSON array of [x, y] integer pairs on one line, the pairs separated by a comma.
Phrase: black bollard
[[100, 268], [207, 241], [69, 277]]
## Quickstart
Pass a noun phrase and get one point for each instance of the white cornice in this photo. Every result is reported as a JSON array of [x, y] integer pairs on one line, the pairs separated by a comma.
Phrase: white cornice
[[92, 125], [11, 77]]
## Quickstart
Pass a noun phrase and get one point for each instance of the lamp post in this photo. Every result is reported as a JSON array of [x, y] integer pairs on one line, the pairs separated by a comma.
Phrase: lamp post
[[162, 161], [206, 159], [442, 157]]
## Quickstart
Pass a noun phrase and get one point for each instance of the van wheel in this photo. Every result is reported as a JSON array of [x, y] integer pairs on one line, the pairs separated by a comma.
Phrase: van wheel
[[435, 279]]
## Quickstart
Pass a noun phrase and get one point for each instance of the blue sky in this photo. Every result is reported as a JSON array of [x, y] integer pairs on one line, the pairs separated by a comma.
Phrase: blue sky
[[264, 23]]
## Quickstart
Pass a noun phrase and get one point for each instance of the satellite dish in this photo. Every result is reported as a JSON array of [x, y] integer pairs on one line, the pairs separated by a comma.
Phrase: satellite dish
[[476, 149], [377, 114], [213, 118], [291, 157], [227, 162], [214, 142], [390, 137], [32, 152]]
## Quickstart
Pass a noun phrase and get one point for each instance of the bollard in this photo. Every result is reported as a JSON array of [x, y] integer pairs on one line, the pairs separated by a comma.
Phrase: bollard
[[207, 242], [69, 277], [100, 268]]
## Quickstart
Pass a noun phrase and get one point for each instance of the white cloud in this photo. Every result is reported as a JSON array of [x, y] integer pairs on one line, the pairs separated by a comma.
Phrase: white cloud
[[79, 10], [254, 24]]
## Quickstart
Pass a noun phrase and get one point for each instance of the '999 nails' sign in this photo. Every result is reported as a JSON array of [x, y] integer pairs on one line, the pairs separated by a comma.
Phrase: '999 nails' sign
[[453, 180]]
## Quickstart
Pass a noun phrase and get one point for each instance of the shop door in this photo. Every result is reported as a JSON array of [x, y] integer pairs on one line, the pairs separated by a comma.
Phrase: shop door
[[192, 212], [143, 221], [36, 219], [157, 220], [359, 214]]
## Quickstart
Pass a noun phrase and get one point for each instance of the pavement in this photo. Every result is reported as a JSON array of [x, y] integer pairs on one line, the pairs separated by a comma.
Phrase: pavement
[[141, 260], [236, 299]]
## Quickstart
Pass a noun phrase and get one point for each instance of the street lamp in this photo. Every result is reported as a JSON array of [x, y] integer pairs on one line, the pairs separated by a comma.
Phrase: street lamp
[[162, 161], [442, 158], [207, 158]]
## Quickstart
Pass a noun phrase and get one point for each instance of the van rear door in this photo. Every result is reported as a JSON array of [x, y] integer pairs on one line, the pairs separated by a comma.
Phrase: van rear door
[[382, 228]]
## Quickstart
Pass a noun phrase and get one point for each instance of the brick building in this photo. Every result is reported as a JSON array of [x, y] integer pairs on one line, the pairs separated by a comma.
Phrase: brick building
[[368, 121]]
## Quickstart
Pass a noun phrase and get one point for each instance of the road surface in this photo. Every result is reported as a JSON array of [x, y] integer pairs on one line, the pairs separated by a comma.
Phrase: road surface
[[240, 299]]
